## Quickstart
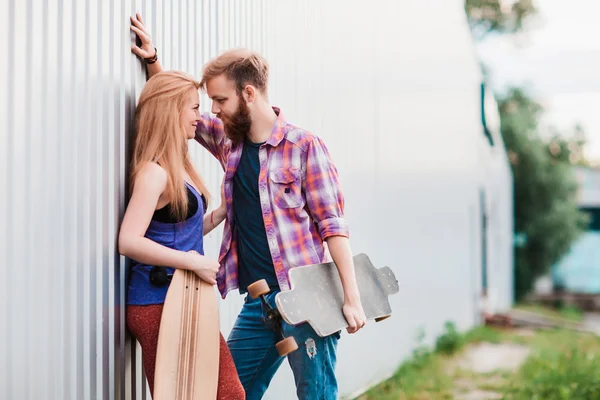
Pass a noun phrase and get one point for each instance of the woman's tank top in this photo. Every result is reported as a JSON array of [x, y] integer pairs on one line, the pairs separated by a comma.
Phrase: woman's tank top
[[184, 236]]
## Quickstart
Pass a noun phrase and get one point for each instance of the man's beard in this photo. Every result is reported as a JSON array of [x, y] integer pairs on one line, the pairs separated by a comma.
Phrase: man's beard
[[238, 125]]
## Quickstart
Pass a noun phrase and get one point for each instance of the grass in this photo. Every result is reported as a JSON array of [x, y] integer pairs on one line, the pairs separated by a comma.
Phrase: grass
[[423, 377], [570, 314], [563, 365]]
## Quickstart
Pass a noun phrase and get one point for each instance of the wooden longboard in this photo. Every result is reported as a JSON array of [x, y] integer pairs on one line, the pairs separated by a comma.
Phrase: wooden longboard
[[317, 296], [187, 358]]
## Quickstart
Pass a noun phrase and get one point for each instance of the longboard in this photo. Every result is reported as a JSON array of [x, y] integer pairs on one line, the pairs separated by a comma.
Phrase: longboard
[[317, 296], [187, 358]]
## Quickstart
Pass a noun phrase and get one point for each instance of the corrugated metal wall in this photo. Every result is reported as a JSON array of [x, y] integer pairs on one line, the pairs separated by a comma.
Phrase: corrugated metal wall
[[396, 102], [71, 87]]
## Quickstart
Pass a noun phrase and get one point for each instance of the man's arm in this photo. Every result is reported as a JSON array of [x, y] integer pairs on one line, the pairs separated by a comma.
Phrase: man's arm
[[339, 248], [210, 133], [325, 202]]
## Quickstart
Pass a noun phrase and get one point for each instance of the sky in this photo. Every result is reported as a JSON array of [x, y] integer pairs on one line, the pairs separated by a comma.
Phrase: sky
[[558, 60]]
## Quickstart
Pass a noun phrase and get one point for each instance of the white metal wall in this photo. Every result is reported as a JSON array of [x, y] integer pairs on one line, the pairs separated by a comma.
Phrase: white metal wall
[[392, 89], [496, 180]]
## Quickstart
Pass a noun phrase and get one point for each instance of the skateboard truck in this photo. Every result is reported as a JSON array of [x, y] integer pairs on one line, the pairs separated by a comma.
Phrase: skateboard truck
[[259, 289]]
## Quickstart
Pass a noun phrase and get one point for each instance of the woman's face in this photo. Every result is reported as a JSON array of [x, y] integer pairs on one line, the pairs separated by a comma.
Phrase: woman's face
[[190, 116]]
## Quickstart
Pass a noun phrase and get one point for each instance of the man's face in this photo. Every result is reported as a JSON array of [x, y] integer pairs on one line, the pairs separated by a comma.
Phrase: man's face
[[223, 95], [230, 107]]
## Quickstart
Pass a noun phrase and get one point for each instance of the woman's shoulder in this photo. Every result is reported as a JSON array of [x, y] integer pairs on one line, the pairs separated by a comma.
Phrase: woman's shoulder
[[151, 173]]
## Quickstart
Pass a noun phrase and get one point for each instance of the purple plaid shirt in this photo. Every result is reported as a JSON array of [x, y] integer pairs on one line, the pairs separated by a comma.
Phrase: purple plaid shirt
[[300, 197]]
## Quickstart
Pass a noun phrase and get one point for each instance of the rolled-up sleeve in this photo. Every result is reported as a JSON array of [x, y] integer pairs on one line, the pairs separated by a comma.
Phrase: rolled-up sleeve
[[211, 135], [324, 196]]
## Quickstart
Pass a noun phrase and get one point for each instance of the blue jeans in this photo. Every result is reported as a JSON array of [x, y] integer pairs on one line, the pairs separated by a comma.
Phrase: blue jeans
[[252, 344]]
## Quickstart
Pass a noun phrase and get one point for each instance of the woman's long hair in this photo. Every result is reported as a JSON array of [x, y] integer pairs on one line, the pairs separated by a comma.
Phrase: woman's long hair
[[160, 137]]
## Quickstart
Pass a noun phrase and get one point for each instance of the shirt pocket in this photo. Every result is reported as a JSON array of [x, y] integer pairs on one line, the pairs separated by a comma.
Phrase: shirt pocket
[[286, 187]]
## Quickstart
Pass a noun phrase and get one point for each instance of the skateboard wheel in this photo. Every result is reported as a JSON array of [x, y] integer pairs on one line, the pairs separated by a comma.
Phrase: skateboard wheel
[[382, 318], [258, 288], [286, 346]]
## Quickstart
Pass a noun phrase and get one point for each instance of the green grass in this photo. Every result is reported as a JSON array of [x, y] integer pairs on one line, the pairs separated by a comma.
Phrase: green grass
[[563, 365], [570, 314], [484, 334], [420, 378], [424, 376]]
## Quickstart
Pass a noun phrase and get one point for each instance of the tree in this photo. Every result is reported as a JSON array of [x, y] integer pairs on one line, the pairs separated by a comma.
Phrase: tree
[[568, 150], [546, 212], [486, 16]]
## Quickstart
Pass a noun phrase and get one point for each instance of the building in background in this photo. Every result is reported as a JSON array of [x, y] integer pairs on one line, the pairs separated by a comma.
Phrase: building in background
[[394, 90], [579, 270]]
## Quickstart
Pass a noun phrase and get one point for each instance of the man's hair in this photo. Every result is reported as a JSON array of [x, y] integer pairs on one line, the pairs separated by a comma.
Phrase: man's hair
[[242, 66]]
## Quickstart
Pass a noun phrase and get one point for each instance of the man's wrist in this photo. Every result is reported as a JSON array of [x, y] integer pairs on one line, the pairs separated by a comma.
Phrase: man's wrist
[[352, 296]]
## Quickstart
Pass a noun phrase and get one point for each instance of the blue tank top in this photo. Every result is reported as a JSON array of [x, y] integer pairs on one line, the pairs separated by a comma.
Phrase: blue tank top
[[184, 236]]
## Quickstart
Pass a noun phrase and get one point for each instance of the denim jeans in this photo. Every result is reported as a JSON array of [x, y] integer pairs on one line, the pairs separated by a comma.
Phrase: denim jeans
[[252, 344]]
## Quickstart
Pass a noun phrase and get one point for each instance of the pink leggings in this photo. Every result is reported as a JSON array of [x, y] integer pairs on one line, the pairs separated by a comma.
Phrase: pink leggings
[[144, 322]]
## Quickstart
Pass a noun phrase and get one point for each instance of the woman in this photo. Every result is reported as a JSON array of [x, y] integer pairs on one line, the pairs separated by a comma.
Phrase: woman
[[165, 219]]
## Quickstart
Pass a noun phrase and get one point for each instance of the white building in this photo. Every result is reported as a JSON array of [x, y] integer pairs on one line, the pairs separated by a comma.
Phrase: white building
[[394, 89]]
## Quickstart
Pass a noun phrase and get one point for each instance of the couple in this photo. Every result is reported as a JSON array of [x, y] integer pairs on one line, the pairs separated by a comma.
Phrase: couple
[[281, 201]]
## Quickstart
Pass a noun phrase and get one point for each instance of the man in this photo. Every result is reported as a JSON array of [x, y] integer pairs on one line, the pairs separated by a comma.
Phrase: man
[[284, 203]]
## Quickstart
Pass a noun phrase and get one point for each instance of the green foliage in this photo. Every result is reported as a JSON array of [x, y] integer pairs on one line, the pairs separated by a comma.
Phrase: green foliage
[[568, 313], [567, 151], [546, 213], [562, 365], [565, 366], [571, 313], [423, 372], [483, 334], [486, 16], [450, 341], [558, 376], [421, 354]]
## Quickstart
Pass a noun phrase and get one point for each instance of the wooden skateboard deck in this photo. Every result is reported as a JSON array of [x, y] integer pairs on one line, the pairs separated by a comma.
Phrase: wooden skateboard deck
[[317, 296], [187, 358]]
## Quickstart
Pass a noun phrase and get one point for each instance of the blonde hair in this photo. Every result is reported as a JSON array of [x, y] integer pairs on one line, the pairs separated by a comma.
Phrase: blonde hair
[[241, 66], [160, 137]]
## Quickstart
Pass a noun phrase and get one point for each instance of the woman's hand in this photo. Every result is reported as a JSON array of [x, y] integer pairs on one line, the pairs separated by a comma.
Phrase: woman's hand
[[206, 268], [146, 50]]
